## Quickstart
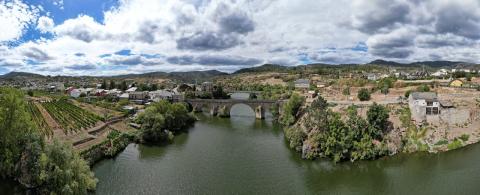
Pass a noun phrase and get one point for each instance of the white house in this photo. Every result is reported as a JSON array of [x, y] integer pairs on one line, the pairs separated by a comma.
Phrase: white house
[[422, 104], [302, 84], [158, 95], [131, 89], [372, 77]]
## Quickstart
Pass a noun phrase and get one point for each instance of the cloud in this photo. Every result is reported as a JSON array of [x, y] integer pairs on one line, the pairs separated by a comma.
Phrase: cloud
[[459, 18], [83, 28], [131, 60], [208, 41], [15, 16], [231, 21], [371, 16], [175, 35], [36, 54], [81, 67], [45, 24], [213, 60]]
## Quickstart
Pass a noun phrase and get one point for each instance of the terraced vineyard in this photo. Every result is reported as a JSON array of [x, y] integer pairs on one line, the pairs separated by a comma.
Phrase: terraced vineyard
[[69, 116], [38, 120]]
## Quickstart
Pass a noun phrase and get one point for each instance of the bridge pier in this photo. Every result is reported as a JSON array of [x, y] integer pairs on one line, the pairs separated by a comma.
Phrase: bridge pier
[[259, 112], [214, 110], [224, 111], [197, 108]]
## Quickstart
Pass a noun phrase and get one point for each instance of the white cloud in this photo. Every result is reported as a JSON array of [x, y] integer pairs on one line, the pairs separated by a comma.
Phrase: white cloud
[[229, 34], [45, 24], [15, 16]]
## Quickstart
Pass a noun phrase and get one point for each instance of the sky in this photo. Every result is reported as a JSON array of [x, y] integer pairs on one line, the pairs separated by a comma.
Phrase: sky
[[111, 37]]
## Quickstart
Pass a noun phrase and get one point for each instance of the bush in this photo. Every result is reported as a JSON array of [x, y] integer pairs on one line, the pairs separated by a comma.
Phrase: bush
[[363, 94], [454, 145], [464, 137], [407, 93], [423, 88]]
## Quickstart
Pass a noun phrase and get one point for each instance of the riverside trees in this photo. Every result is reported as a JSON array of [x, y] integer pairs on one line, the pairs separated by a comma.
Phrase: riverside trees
[[162, 119], [322, 133], [24, 156]]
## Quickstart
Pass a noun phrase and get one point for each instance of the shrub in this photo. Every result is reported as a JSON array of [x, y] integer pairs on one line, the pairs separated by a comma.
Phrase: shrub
[[464, 137], [454, 145], [363, 94]]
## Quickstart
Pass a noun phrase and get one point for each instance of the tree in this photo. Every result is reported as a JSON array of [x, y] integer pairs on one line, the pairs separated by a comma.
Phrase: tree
[[363, 94], [51, 168], [377, 116], [218, 93], [154, 87], [161, 119], [291, 109], [123, 86], [63, 171], [104, 85], [112, 84]]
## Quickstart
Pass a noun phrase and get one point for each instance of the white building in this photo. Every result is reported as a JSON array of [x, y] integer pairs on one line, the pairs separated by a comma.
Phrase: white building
[[422, 104], [158, 95], [302, 84]]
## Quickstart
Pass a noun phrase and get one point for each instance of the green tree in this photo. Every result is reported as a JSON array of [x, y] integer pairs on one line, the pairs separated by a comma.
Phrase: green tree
[[103, 85], [363, 94], [161, 119], [112, 84], [63, 171], [377, 116], [291, 109]]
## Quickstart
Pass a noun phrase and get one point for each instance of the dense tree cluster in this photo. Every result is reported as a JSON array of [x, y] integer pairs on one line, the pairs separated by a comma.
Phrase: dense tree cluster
[[290, 109], [48, 168], [161, 120], [323, 133]]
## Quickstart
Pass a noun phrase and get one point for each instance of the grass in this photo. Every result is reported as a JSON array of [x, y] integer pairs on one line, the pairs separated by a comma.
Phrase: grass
[[441, 142], [455, 144]]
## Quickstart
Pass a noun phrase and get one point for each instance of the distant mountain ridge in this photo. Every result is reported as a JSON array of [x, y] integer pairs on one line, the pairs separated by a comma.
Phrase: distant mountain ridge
[[200, 76], [433, 64]]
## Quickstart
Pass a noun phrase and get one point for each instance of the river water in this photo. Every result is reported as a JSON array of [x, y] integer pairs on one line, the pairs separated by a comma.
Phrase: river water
[[241, 155]]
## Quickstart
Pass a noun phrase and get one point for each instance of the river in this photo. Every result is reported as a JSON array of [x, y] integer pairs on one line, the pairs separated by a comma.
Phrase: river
[[242, 155]]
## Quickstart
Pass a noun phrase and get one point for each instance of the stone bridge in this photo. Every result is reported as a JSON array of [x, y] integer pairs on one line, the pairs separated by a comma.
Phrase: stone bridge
[[221, 107]]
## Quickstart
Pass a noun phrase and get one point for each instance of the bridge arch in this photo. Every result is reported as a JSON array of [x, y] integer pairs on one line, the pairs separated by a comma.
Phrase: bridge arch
[[223, 107]]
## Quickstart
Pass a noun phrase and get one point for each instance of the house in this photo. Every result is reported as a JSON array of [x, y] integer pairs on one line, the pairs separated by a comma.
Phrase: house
[[207, 87], [372, 77], [422, 104], [440, 73], [158, 95], [56, 86], [75, 93], [456, 83], [131, 89], [124, 96], [302, 84], [138, 95]]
